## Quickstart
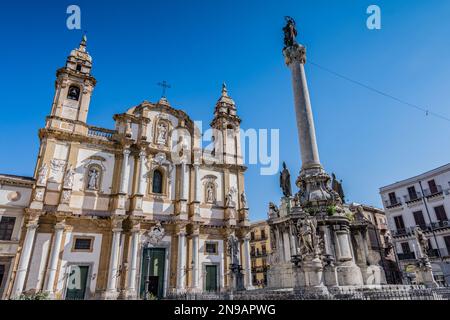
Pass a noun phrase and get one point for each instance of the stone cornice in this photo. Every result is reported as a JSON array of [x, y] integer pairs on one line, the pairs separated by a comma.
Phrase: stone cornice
[[17, 181]]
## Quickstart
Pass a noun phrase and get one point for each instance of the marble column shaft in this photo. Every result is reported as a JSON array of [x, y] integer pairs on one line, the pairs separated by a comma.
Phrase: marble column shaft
[[54, 257], [114, 260], [24, 259]]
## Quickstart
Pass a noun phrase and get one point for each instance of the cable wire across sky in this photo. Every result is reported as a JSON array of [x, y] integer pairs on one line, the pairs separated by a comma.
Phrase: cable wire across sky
[[387, 95]]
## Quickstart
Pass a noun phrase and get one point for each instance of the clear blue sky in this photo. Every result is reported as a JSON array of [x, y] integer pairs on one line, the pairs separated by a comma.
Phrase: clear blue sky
[[367, 139]]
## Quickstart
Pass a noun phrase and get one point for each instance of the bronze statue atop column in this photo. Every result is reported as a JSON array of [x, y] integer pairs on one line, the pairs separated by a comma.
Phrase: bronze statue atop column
[[285, 181]]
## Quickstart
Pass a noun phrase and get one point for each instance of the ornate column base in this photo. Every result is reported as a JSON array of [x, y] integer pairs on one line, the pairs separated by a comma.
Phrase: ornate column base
[[425, 277], [110, 295]]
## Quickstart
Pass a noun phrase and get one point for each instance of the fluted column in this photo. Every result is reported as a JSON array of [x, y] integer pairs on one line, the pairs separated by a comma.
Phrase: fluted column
[[125, 172], [135, 235], [181, 263], [114, 258], [54, 257], [195, 269], [24, 258]]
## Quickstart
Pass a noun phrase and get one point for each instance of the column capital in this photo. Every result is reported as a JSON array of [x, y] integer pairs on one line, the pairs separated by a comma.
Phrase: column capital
[[295, 53], [60, 225], [126, 152]]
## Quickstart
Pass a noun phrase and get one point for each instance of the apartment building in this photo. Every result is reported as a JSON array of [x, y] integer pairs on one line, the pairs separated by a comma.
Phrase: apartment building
[[259, 252], [422, 201]]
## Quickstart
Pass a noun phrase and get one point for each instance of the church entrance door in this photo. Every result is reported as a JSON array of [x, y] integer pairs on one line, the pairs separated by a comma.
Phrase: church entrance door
[[152, 272], [211, 278], [76, 283]]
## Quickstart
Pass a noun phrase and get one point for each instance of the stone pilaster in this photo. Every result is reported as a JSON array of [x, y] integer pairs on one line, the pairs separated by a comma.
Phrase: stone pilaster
[[181, 260]]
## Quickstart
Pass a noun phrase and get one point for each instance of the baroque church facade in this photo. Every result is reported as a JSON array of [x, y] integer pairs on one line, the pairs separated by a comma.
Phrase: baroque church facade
[[140, 210]]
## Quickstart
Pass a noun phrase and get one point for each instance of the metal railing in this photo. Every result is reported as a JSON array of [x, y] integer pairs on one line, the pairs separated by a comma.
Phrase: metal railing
[[391, 203], [385, 293], [431, 193], [414, 198], [425, 227]]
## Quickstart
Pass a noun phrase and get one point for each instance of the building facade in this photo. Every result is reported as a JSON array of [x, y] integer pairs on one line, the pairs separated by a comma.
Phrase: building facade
[[15, 193], [422, 201], [141, 210], [259, 252]]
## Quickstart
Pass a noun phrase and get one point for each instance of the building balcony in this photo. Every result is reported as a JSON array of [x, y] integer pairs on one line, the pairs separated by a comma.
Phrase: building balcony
[[411, 199], [430, 193], [425, 227], [393, 203], [406, 256]]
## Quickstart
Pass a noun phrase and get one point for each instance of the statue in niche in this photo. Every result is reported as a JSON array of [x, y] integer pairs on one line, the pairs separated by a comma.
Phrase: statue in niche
[[244, 200], [162, 133], [336, 186], [68, 178], [42, 174], [93, 177], [285, 181], [210, 193], [290, 32], [307, 235]]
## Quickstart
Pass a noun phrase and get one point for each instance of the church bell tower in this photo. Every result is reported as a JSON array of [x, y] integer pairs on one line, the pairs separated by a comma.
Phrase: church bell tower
[[227, 141], [73, 89]]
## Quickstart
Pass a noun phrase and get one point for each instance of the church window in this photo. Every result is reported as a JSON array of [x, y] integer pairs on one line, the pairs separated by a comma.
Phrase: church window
[[211, 248], [82, 244], [6, 228], [93, 177], [79, 67], [157, 186], [74, 93]]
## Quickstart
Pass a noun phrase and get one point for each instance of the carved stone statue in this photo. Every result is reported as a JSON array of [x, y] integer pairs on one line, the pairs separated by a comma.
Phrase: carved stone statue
[[229, 198], [337, 187], [233, 249], [273, 211], [162, 133], [42, 175], [155, 234], [309, 243], [93, 177], [244, 200], [68, 177], [290, 32], [210, 197], [422, 240], [285, 181]]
